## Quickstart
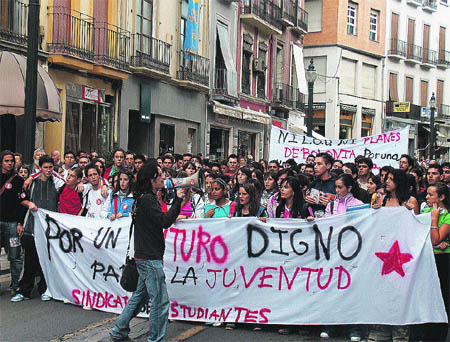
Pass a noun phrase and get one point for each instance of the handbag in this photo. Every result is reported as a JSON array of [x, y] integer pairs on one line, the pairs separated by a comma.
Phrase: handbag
[[130, 275]]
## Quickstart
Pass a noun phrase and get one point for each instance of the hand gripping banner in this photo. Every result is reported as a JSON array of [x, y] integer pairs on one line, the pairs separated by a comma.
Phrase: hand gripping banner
[[362, 267]]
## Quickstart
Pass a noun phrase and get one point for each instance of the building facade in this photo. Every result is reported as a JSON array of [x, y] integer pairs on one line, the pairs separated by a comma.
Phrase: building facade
[[418, 66], [346, 41]]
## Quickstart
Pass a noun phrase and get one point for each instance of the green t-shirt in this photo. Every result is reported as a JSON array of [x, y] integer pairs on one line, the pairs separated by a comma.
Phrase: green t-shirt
[[444, 218]]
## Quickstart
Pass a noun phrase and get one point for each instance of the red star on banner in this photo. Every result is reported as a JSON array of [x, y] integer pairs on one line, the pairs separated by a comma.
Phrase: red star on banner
[[393, 260]]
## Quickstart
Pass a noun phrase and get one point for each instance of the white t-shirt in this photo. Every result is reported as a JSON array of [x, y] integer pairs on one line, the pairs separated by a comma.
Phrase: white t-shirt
[[95, 202]]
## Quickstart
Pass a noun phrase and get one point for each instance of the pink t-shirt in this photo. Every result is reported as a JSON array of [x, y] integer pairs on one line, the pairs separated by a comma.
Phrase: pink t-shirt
[[187, 210]]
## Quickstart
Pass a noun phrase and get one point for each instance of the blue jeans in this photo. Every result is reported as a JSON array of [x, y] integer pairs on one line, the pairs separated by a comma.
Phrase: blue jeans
[[151, 285], [8, 234]]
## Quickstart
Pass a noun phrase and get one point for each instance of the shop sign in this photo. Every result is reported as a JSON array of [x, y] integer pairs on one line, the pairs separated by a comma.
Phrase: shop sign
[[91, 94], [401, 107], [222, 119]]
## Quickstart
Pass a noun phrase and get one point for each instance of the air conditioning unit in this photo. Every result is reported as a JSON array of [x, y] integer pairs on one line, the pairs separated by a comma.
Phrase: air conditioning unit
[[259, 65], [280, 94]]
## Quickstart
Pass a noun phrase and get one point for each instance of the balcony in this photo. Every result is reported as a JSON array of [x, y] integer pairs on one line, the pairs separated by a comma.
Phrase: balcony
[[429, 5], [413, 53], [14, 22], [444, 112], [301, 26], [429, 58], [263, 14], [443, 59], [300, 101], [413, 114], [397, 49], [415, 3], [284, 96], [150, 56], [76, 41], [288, 13], [220, 90], [194, 71]]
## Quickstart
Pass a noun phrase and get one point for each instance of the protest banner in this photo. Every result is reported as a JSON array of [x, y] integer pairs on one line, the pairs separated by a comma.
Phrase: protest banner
[[384, 149], [359, 267]]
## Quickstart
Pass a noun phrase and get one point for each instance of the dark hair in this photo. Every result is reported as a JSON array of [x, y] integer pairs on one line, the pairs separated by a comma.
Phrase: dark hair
[[169, 171], [310, 155], [129, 174], [303, 180], [412, 184], [291, 162], [140, 156], [45, 159], [118, 150], [401, 186], [336, 172], [446, 164], [148, 172], [409, 158], [298, 201], [232, 156], [181, 174], [309, 166], [274, 161], [130, 152], [257, 166], [78, 172], [187, 155], [24, 167], [437, 167], [375, 179], [178, 157], [185, 166], [244, 170], [69, 152], [352, 167], [254, 199], [367, 161], [167, 157], [443, 189], [92, 166], [328, 158], [259, 175], [222, 181], [388, 169], [8, 153], [272, 174], [338, 161], [348, 181], [288, 172], [103, 166]]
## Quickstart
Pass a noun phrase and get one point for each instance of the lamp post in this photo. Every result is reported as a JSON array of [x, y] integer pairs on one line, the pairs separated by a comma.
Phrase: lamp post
[[432, 129], [311, 75]]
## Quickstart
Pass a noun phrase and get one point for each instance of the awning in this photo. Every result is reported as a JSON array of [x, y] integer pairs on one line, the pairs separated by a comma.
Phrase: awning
[[439, 134], [241, 113], [13, 68]]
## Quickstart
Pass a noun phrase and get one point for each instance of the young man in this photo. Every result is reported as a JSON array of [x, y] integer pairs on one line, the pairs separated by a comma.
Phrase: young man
[[167, 161], [12, 214], [118, 158], [129, 161], [70, 200], [323, 184], [232, 163], [43, 194], [186, 158], [274, 166], [69, 162], [139, 161], [178, 162], [310, 159], [406, 163], [446, 175], [365, 166], [94, 200]]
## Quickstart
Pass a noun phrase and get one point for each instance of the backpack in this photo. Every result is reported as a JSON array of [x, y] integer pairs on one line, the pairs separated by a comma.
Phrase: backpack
[[80, 195]]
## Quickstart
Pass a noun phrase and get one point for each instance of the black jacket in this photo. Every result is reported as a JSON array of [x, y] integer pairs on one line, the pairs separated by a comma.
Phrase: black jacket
[[149, 223]]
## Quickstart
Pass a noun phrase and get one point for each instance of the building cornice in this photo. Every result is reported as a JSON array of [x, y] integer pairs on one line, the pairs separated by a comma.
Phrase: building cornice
[[362, 52]]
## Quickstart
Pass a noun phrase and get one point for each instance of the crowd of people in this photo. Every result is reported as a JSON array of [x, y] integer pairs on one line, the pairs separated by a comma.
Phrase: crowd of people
[[81, 184]]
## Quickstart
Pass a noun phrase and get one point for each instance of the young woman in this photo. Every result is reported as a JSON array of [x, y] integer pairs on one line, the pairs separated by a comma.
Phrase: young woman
[[258, 175], [380, 194], [346, 190], [209, 179], [243, 175], [190, 168], [270, 187], [398, 192], [121, 198], [248, 202], [195, 206], [264, 164], [222, 206], [23, 171], [372, 184], [438, 200], [351, 169], [292, 204]]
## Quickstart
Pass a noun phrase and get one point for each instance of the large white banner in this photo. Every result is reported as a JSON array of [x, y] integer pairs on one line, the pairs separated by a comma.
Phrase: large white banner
[[359, 267], [384, 149]]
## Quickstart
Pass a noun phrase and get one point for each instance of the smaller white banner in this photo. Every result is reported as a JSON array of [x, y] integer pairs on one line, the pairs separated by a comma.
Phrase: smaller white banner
[[384, 148]]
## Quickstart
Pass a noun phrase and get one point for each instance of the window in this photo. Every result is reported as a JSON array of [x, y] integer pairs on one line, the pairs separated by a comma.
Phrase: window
[[166, 138], [144, 12], [424, 93], [409, 89], [246, 144], [183, 22], [351, 19], [261, 92], [393, 90], [374, 15], [246, 73]]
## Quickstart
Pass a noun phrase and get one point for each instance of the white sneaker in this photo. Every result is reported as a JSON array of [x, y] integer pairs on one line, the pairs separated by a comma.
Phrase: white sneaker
[[324, 334], [355, 339], [87, 308]]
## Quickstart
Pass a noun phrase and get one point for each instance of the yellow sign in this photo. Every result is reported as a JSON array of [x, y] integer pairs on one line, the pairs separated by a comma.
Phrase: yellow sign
[[401, 107]]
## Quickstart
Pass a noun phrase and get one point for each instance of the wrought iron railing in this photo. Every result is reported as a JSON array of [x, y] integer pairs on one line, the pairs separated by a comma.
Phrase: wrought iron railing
[[397, 47], [150, 53], [444, 111], [193, 68], [302, 19], [220, 82], [414, 52], [284, 94], [300, 101], [111, 45], [429, 56], [444, 57], [430, 4], [77, 34], [414, 111], [289, 10], [265, 9], [14, 21]]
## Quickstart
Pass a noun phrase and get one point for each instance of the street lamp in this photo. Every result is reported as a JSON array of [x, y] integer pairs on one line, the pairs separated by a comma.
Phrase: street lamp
[[432, 137], [311, 75]]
